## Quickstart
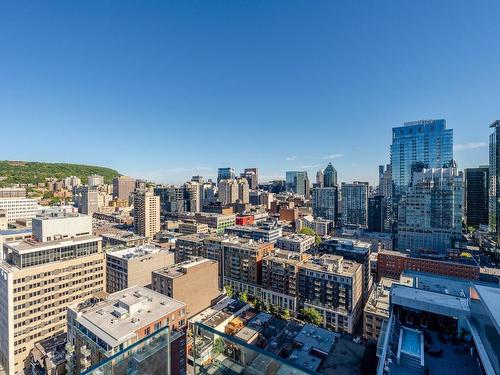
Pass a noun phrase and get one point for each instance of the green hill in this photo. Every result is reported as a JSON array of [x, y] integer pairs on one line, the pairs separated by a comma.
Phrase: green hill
[[25, 172]]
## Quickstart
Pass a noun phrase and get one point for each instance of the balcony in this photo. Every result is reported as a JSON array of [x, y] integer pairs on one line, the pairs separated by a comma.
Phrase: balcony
[[150, 355], [215, 352]]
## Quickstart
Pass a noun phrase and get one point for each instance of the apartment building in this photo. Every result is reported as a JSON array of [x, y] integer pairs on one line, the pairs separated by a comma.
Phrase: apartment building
[[377, 309], [266, 231], [333, 286], [39, 278], [296, 242], [243, 263], [97, 331], [215, 221], [279, 278], [146, 214], [194, 282], [129, 266]]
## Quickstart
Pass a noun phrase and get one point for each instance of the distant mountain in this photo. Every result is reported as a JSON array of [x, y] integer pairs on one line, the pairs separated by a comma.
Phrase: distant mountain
[[25, 172]]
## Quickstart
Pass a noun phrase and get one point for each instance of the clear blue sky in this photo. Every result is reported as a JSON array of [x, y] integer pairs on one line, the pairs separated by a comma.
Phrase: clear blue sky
[[164, 90]]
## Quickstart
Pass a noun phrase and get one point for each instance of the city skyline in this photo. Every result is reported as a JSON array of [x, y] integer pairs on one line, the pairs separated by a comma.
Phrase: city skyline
[[186, 89]]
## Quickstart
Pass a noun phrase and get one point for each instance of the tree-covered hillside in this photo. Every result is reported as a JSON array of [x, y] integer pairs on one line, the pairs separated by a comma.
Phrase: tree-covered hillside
[[21, 172]]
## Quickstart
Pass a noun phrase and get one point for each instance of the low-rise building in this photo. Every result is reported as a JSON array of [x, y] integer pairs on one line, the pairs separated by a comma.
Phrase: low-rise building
[[123, 238], [192, 227], [266, 231], [392, 264], [129, 266], [215, 221], [296, 242], [194, 282]]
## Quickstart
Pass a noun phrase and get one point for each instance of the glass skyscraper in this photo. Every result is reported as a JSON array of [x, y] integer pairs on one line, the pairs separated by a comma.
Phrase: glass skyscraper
[[417, 145], [297, 182], [330, 176]]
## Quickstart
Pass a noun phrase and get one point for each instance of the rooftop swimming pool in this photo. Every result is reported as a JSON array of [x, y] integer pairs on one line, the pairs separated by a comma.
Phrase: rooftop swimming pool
[[411, 342]]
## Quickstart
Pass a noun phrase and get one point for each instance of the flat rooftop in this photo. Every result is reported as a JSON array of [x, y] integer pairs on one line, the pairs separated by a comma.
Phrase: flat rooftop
[[314, 337], [296, 237], [347, 242], [438, 303], [491, 300], [29, 245], [122, 235], [321, 264], [179, 269], [379, 299], [133, 252], [122, 313], [55, 214], [13, 232], [437, 283]]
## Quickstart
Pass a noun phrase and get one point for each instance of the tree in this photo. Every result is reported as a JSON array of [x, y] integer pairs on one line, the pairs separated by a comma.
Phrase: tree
[[272, 309], [218, 346], [243, 297], [317, 239], [308, 231], [229, 290], [284, 313], [311, 315]]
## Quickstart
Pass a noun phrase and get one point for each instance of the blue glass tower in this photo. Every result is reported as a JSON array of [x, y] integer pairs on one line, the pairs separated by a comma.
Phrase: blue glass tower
[[417, 145]]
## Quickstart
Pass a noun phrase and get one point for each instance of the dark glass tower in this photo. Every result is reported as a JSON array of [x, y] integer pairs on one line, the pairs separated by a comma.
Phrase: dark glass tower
[[476, 196], [329, 176]]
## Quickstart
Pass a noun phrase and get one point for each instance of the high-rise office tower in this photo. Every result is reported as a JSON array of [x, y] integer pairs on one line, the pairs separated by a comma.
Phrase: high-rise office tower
[[329, 176], [228, 191], [324, 202], [494, 188], [40, 277], [476, 196], [417, 145], [243, 190], [171, 199], [123, 186], [95, 180], [86, 199], [146, 214], [320, 179], [192, 201], [252, 175], [355, 203], [297, 182], [225, 174], [377, 213], [430, 211], [385, 181]]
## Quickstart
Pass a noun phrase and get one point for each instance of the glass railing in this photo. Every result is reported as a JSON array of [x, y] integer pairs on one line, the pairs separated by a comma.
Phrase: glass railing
[[150, 355], [215, 353]]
